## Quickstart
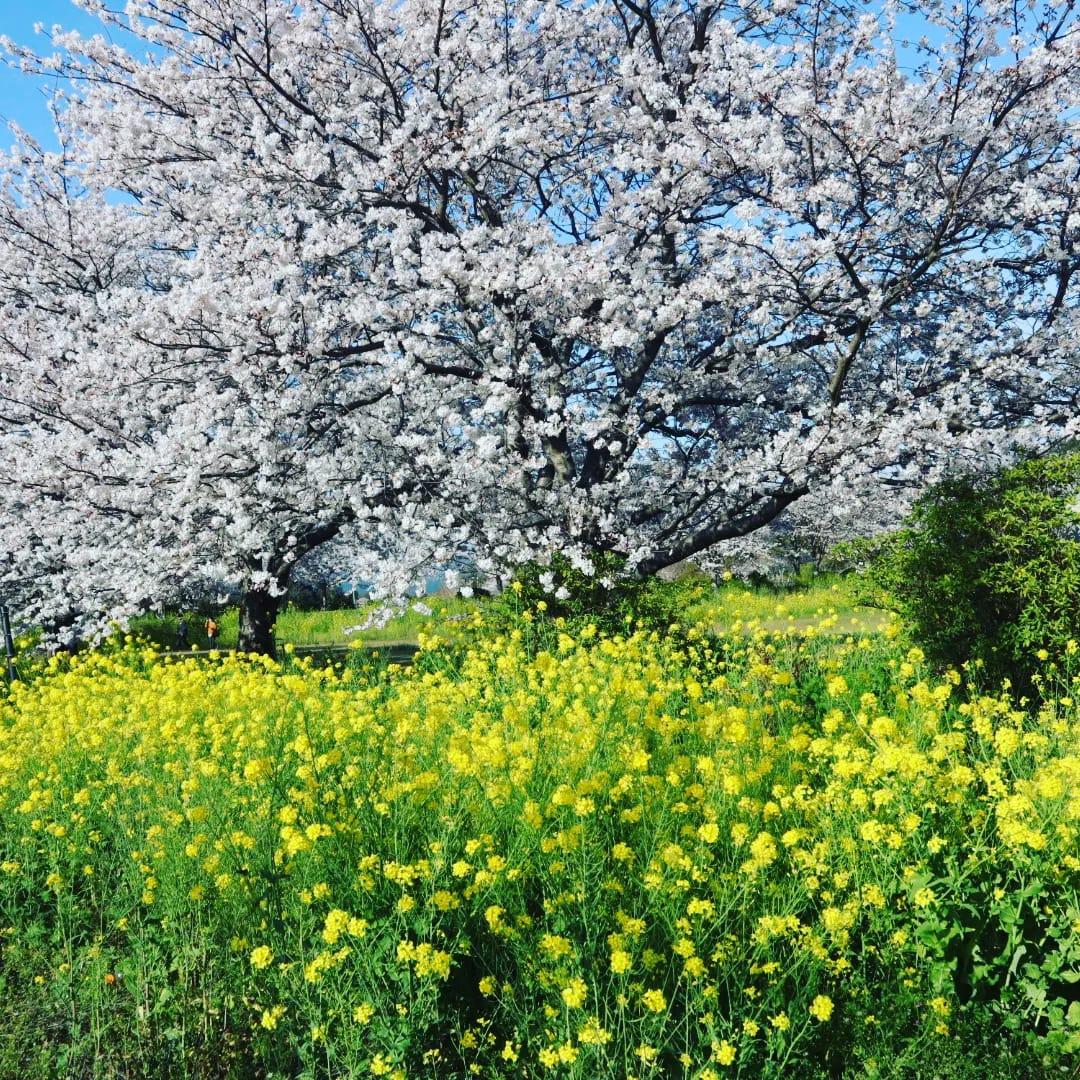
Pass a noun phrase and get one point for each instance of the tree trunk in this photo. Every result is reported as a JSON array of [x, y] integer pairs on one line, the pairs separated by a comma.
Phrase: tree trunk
[[258, 608], [258, 611]]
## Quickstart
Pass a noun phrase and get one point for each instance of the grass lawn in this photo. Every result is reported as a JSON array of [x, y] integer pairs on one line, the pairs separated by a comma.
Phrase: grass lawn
[[330, 627], [298, 627], [830, 605]]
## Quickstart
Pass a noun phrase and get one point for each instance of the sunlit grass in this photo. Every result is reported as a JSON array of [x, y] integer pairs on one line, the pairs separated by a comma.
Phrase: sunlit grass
[[330, 627], [301, 627], [831, 604]]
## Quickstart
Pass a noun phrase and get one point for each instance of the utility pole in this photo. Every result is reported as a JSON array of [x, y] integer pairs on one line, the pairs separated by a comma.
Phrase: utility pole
[[9, 644]]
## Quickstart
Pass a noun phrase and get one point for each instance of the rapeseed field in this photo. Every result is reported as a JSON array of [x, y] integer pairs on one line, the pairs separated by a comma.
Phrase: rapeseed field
[[541, 853]]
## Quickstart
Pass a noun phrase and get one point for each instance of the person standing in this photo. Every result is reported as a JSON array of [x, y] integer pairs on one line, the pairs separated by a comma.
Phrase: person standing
[[212, 632], [182, 644]]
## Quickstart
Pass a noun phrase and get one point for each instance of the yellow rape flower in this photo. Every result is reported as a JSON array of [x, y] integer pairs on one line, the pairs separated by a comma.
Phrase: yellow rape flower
[[724, 1053], [270, 1017], [575, 992], [262, 957]]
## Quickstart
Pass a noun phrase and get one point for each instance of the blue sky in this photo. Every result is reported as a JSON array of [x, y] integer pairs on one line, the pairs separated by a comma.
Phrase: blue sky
[[22, 99]]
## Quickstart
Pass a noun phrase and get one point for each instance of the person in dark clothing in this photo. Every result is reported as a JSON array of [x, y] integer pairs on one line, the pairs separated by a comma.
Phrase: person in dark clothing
[[182, 644]]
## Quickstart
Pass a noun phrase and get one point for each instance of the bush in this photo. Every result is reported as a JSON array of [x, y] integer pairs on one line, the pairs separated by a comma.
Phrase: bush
[[988, 569]]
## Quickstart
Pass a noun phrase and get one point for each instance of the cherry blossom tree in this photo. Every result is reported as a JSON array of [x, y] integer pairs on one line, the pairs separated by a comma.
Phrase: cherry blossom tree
[[841, 512], [141, 469], [627, 275]]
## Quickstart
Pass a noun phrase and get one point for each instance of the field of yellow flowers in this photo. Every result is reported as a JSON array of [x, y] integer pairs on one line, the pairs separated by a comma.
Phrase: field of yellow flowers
[[546, 853]]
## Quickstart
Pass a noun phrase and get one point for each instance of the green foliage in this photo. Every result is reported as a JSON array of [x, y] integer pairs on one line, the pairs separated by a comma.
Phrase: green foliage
[[988, 568], [863, 565], [609, 597]]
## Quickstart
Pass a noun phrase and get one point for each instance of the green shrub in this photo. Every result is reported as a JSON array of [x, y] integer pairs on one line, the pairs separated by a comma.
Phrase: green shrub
[[988, 568]]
